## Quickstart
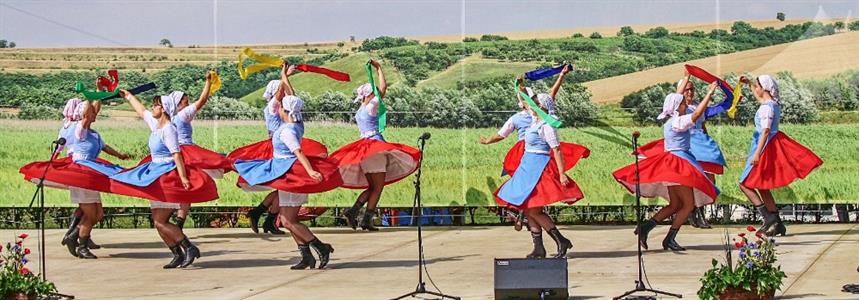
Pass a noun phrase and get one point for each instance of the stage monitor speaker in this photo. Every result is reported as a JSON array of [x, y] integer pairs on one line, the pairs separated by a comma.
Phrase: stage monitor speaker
[[523, 278]]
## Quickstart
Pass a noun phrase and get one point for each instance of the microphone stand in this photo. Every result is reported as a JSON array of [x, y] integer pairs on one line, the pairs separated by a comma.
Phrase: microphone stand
[[40, 193], [639, 284], [421, 288]]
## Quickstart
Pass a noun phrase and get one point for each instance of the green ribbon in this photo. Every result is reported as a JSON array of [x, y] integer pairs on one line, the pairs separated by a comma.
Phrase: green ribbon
[[552, 121], [93, 95], [383, 112]]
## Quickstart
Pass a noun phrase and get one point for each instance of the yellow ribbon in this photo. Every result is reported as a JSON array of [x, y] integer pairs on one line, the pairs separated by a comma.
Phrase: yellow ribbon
[[216, 82], [263, 61], [738, 93]]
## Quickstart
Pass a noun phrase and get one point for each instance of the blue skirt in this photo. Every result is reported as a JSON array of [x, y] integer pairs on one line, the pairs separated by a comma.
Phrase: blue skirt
[[108, 170], [522, 183], [144, 174], [256, 172], [705, 149]]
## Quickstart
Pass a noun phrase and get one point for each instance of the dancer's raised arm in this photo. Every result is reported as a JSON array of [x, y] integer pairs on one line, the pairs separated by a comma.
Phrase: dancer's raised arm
[[135, 103], [382, 84], [702, 107], [204, 96], [557, 86]]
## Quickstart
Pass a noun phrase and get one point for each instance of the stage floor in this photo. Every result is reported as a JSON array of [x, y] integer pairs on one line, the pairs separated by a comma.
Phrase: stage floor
[[238, 264]]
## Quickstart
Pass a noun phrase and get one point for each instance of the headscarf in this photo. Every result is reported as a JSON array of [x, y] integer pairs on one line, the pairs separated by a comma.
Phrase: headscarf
[[71, 113], [547, 103], [293, 105], [530, 92], [669, 107], [271, 89], [171, 101], [770, 85], [362, 92]]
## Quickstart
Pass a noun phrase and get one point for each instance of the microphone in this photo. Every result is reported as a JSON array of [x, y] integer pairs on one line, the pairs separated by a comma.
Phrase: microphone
[[60, 141], [425, 136], [636, 134]]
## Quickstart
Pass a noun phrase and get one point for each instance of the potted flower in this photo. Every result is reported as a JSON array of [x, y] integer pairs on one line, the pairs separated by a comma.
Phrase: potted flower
[[16, 280], [754, 276]]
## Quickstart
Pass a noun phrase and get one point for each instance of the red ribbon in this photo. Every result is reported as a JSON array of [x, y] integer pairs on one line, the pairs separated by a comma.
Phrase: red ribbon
[[339, 76], [108, 84]]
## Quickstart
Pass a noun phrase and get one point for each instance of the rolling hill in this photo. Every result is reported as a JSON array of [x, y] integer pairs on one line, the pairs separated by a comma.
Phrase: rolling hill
[[475, 68]]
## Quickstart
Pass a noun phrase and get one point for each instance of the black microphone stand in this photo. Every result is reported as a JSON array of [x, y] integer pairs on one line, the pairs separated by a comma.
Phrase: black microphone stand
[[40, 193], [416, 206], [639, 284]]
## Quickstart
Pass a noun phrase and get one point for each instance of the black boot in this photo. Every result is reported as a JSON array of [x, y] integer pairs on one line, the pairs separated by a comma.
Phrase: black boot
[[702, 218], [254, 215], [351, 214], [694, 220], [307, 260], [670, 243], [82, 249], [323, 250], [191, 252], [563, 243], [178, 257], [779, 228], [539, 251], [71, 242], [92, 245], [73, 226], [180, 222], [367, 221], [270, 225], [643, 231], [768, 219]]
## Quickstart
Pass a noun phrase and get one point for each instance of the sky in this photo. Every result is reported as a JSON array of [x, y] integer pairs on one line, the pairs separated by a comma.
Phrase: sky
[[41, 23]]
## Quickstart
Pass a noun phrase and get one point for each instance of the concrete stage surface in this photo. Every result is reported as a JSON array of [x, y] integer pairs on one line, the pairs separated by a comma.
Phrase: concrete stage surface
[[237, 264]]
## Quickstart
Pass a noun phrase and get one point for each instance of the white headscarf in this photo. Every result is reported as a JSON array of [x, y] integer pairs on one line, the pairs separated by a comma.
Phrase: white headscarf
[[679, 86], [547, 103], [770, 85], [171, 101], [362, 92], [530, 92], [271, 89], [293, 105], [669, 107], [73, 111]]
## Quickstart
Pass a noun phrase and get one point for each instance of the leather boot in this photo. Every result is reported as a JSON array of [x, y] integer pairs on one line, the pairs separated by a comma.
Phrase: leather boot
[[71, 242], [779, 228], [254, 215], [367, 221], [323, 250], [82, 250], [307, 260], [351, 215], [269, 225], [768, 219], [563, 243], [178, 257], [643, 231], [694, 220], [539, 251], [74, 221], [191, 252], [702, 218], [670, 243], [180, 222]]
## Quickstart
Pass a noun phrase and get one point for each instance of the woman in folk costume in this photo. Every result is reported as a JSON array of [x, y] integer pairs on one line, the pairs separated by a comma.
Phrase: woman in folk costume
[[292, 181], [539, 178], [274, 93], [84, 174], [775, 160], [166, 180], [213, 163], [674, 174], [371, 163]]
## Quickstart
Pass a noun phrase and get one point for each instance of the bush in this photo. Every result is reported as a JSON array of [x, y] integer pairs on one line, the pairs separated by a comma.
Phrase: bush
[[579, 35], [658, 32], [797, 103], [332, 106], [492, 38], [579, 46], [383, 42], [469, 40], [854, 26], [625, 31], [38, 112], [638, 44], [219, 107], [596, 35]]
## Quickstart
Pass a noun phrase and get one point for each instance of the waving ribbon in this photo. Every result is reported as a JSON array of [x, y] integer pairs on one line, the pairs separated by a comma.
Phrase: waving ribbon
[[339, 76], [215, 81], [732, 95], [135, 90], [108, 84], [383, 111], [552, 121], [94, 95], [546, 72], [265, 61]]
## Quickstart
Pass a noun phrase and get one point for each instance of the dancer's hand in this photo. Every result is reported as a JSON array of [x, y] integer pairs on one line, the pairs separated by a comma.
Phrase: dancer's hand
[[290, 70], [315, 175], [564, 180], [123, 156], [566, 69], [711, 87], [755, 158], [124, 94], [186, 183], [521, 81], [484, 140], [375, 63]]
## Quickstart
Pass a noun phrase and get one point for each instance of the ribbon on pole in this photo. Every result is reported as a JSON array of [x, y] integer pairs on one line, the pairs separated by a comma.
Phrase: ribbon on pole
[[135, 90], [108, 84], [546, 72], [383, 111], [552, 121], [732, 95]]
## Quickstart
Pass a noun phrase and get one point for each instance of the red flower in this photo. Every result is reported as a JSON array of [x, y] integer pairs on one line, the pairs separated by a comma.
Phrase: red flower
[[26, 251], [738, 244], [759, 234], [25, 271], [751, 228], [742, 234], [23, 236]]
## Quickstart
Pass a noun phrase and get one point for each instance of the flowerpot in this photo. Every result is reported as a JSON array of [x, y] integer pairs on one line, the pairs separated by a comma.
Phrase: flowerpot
[[19, 296], [741, 294]]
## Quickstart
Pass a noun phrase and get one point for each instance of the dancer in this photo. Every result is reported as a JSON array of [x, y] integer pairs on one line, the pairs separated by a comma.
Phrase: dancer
[[291, 182], [85, 175], [371, 163], [539, 178], [214, 164], [775, 160], [674, 174], [166, 180]]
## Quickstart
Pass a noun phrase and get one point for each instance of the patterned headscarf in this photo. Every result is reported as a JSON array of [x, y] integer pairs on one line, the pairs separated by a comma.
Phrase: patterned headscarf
[[547, 103], [669, 107], [271, 89], [73, 111], [362, 92]]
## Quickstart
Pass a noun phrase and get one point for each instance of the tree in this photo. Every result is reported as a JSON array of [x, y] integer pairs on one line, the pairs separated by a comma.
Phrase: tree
[[578, 35], [780, 16], [166, 43], [658, 32], [352, 38], [839, 25], [12, 45], [492, 37], [596, 35], [625, 31], [469, 40], [3, 43], [853, 26]]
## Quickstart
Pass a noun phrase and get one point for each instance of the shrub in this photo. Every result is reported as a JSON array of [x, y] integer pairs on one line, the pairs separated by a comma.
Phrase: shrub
[[469, 40], [383, 42], [219, 107], [579, 35], [797, 103], [853, 26], [625, 31], [579, 46], [596, 35], [658, 32], [38, 112], [492, 38]]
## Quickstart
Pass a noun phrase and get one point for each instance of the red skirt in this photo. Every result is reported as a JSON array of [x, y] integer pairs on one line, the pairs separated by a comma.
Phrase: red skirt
[[296, 180], [168, 188], [402, 161], [666, 169], [658, 146], [549, 189], [264, 150], [782, 162], [64, 172], [199, 157], [572, 154]]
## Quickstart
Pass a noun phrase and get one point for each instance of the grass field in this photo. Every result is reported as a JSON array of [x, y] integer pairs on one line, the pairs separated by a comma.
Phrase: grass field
[[475, 69], [457, 170]]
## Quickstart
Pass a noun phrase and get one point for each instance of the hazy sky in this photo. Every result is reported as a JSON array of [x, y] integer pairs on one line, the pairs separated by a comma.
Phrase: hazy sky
[[39, 23]]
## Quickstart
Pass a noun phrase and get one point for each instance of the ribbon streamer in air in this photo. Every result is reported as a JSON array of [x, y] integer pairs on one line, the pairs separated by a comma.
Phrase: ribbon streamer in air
[[383, 111], [546, 72], [732, 95], [215, 80], [94, 95], [265, 61], [552, 121], [137, 90], [108, 84], [336, 75]]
